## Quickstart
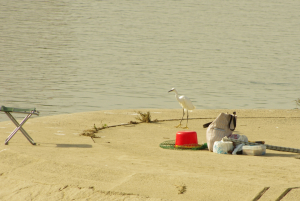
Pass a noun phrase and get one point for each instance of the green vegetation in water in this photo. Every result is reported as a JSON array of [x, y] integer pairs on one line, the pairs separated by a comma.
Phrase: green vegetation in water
[[297, 102]]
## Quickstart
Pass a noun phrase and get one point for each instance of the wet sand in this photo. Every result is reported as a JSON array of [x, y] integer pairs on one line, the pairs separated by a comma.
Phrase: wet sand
[[126, 162]]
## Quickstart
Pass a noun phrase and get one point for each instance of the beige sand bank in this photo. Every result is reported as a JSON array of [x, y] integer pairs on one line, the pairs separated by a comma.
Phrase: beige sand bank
[[126, 163]]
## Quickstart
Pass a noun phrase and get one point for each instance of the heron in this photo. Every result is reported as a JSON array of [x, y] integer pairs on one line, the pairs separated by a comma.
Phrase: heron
[[186, 105]]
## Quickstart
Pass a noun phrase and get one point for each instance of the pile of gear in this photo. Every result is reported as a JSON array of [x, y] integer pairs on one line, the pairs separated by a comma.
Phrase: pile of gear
[[221, 140]]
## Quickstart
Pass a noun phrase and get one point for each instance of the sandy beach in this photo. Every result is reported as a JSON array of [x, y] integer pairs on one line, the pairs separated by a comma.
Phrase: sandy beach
[[126, 162]]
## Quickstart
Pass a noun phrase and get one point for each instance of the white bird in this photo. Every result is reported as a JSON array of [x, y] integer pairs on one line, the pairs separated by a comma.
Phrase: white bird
[[186, 105]]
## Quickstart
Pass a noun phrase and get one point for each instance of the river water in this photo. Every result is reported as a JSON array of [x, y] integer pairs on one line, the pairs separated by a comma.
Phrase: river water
[[68, 56]]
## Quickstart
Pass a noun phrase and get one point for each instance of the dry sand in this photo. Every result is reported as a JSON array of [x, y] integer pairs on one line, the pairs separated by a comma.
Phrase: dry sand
[[126, 163]]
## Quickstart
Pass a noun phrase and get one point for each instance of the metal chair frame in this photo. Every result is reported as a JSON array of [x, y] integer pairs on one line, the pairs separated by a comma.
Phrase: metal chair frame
[[29, 112]]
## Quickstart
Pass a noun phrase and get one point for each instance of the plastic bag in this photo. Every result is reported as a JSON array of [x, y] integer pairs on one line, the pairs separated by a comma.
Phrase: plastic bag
[[222, 126]]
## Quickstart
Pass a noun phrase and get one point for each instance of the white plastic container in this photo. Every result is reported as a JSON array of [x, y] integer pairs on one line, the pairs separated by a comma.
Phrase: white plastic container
[[256, 150], [221, 147]]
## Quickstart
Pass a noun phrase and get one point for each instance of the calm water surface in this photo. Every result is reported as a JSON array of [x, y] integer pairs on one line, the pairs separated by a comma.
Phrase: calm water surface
[[73, 56]]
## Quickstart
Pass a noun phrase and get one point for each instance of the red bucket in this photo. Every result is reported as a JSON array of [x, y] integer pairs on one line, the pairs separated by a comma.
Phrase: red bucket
[[186, 138]]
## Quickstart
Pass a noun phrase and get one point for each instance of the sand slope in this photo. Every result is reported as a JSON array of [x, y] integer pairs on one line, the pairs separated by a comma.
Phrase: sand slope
[[126, 163]]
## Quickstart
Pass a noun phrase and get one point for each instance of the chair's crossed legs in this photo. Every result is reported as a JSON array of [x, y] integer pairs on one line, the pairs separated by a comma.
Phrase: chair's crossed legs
[[19, 127]]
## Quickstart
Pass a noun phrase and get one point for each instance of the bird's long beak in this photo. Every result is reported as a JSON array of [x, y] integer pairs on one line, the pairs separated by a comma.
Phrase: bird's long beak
[[170, 90]]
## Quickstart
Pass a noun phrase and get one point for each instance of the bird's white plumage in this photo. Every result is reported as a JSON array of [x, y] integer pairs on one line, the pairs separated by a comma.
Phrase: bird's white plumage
[[184, 101]]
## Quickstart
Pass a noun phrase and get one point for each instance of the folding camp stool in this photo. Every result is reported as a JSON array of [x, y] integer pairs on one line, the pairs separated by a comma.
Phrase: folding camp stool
[[29, 112]]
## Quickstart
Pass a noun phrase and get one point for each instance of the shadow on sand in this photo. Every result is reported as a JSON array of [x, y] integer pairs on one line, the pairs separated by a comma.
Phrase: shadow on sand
[[74, 146]]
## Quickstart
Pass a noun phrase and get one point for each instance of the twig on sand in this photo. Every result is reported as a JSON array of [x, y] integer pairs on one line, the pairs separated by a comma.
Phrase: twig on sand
[[285, 193], [260, 194], [145, 117], [181, 188], [66, 186]]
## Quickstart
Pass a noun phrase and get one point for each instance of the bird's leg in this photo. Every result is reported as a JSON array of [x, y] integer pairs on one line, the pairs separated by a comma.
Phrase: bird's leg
[[181, 120], [187, 119]]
